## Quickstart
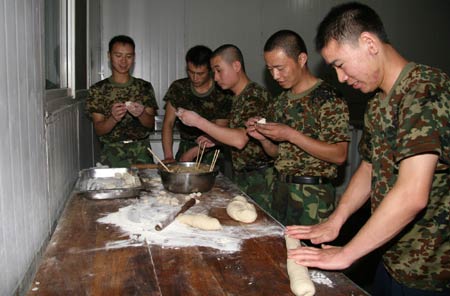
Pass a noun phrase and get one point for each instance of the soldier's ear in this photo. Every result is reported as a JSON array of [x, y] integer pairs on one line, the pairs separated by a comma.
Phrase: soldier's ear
[[302, 59], [236, 66]]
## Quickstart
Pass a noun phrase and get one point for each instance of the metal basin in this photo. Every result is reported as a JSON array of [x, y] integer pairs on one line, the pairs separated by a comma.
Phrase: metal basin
[[187, 182]]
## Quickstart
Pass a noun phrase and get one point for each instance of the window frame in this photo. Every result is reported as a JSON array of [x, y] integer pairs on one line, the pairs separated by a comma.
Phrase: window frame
[[66, 56]]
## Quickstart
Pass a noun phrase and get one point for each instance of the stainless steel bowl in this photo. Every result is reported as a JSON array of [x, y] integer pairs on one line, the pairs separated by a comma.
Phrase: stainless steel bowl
[[187, 182]]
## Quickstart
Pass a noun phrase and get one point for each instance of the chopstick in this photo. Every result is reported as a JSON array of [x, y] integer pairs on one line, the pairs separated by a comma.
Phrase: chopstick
[[199, 160], [213, 163], [159, 160]]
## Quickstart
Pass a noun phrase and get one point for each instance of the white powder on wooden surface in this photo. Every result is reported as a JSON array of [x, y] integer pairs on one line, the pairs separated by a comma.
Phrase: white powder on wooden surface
[[320, 278], [138, 222]]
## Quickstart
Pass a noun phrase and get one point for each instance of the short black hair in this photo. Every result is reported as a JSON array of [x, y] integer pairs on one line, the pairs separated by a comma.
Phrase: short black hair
[[230, 53], [199, 55], [346, 22], [120, 39], [289, 41]]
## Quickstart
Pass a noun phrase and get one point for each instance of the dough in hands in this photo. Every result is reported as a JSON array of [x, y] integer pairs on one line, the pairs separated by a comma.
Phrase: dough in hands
[[241, 210], [200, 221], [301, 284], [262, 121]]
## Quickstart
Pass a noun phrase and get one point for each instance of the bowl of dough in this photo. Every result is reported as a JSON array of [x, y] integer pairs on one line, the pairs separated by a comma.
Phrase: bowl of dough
[[188, 177]]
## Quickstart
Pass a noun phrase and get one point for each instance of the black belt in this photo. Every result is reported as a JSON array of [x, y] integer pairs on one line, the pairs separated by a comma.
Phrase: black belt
[[302, 179], [251, 168]]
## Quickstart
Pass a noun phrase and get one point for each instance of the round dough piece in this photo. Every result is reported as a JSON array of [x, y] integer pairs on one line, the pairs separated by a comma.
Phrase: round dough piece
[[200, 221], [301, 284], [241, 210]]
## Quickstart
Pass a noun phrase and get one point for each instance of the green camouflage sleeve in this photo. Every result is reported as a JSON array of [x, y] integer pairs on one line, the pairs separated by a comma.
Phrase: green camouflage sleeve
[[172, 93], [148, 95], [95, 102], [254, 105], [424, 121]]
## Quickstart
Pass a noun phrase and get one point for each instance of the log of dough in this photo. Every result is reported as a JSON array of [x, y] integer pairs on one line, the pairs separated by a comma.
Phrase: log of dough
[[262, 121], [200, 221], [301, 284], [241, 210]]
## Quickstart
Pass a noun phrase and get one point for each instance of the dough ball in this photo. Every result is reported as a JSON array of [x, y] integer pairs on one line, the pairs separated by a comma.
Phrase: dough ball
[[262, 121], [128, 104], [301, 284], [241, 210], [200, 221]]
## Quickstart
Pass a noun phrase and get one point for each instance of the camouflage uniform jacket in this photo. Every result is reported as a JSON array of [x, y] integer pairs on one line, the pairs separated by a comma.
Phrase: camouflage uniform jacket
[[317, 113], [105, 93], [413, 119], [215, 104], [252, 101]]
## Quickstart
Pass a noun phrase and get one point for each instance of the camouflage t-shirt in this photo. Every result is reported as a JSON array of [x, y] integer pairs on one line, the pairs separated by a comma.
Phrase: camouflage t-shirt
[[413, 119], [105, 93], [215, 104], [317, 113], [252, 101]]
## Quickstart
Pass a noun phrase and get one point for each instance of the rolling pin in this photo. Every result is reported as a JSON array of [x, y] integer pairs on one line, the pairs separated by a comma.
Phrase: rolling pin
[[171, 218]]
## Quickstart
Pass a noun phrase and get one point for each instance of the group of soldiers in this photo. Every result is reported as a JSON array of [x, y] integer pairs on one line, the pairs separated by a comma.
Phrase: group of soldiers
[[285, 150]]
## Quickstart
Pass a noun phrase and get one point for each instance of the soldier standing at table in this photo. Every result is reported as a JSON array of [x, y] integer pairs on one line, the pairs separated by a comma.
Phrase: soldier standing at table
[[252, 167], [200, 94], [307, 133], [405, 150], [122, 109]]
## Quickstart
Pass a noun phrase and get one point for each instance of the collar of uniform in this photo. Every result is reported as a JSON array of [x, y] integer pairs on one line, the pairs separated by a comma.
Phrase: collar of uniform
[[126, 84]]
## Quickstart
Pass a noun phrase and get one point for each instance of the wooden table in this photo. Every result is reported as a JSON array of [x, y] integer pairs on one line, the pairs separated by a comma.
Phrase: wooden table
[[76, 261]]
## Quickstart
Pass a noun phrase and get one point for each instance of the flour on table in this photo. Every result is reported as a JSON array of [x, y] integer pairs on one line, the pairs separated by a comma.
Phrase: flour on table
[[320, 278], [138, 221]]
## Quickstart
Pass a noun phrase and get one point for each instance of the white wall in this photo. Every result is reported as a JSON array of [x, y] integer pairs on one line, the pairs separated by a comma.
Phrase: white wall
[[164, 30]]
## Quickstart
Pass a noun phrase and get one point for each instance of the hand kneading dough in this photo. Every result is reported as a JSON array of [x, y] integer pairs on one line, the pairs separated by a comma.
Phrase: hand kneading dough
[[301, 284], [241, 210], [201, 221]]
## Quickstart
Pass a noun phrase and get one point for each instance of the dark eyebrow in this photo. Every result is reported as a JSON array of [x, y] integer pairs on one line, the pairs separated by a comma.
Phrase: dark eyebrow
[[332, 63]]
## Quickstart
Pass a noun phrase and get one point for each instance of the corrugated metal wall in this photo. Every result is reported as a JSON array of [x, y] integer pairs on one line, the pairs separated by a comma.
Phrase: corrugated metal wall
[[38, 151], [24, 204], [164, 30], [61, 130]]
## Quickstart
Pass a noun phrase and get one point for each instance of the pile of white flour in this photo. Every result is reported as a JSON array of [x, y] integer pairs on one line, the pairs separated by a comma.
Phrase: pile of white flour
[[139, 219]]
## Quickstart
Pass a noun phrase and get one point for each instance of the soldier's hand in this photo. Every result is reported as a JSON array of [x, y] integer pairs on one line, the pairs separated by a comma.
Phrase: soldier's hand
[[136, 109], [189, 155], [189, 118], [118, 111], [320, 233], [205, 141], [328, 257], [275, 131], [251, 128]]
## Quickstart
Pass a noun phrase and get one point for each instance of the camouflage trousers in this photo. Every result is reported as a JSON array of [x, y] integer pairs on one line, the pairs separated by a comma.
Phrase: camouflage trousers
[[302, 204], [119, 154], [258, 185]]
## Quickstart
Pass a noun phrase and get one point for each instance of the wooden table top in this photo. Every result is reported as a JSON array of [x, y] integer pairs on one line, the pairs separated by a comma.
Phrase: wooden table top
[[77, 260]]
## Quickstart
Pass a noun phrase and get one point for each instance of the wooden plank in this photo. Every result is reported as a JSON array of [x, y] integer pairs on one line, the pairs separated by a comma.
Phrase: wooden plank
[[76, 261]]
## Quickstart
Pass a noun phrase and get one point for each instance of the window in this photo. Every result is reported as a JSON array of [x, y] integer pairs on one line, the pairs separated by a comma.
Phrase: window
[[59, 46]]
